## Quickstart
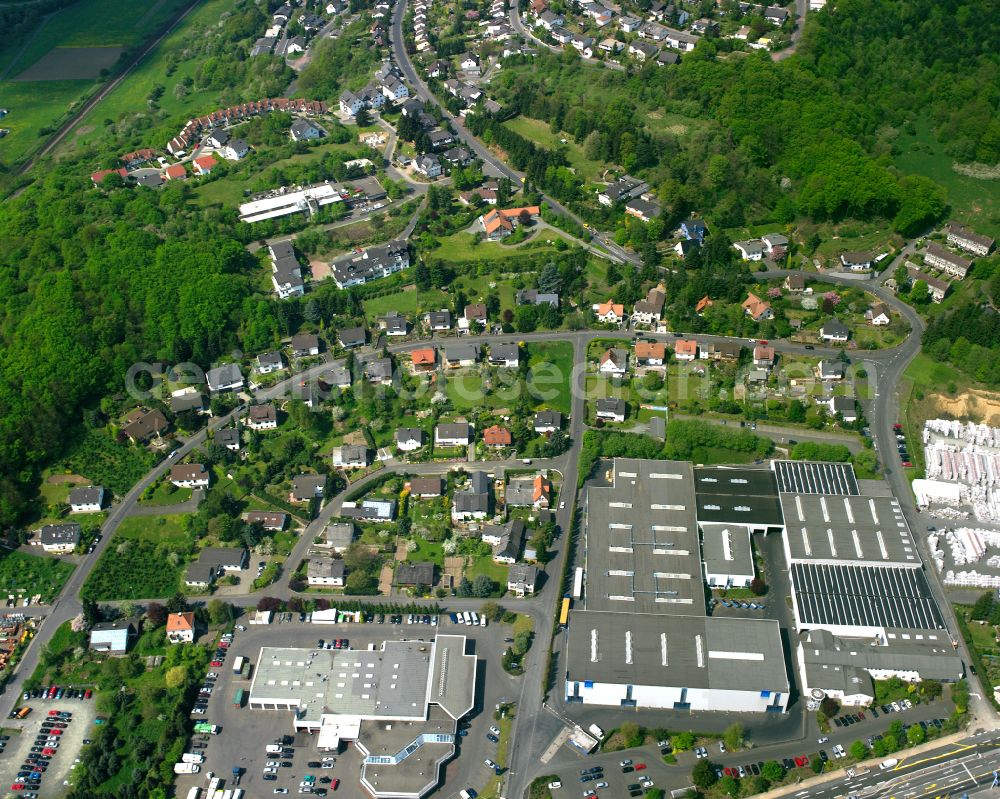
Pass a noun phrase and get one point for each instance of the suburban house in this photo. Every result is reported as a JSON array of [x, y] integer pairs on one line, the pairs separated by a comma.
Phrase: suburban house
[[834, 330], [213, 562], [204, 165], [58, 539], [497, 436], [529, 492], [86, 500], [756, 308], [938, 288], [763, 356], [498, 223], [370, 510], [439, 320], [650, 310], [694, 230], [459, 355], [423, 359], [623, 189], [379, 371], [428, 165], [415, 574], [352, 337], [614, 362], [610, 312], [547, 421], [775, 244], [424, 487], [474, 313], [472, 503], [305, 130], [304, 345], [611, 409], [227, 438], [336, 536], [453, 435], [409, 439], [142, 425], [879, 315], [522, 579], [507, 540], [703, 304], [947, 261], [175, 172], [286, 271], [846, 406], [795, 283], [350, 456], [189, 475], [326, 571], [642, 51], [752, 250], [856, 261], [235, 150], [507, 355], [395, 325], [650, 353], [112, 637], [187, 399], [968, 240], [724, 351], [685, 349], [830, 370], [535, 297], [262, 417], [268, 520], [270, 362], [227, 377], [307, 487], [180, 628]]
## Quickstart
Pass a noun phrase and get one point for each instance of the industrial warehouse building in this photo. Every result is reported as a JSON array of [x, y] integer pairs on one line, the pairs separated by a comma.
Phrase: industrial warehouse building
[[644, 638], [400, 704]]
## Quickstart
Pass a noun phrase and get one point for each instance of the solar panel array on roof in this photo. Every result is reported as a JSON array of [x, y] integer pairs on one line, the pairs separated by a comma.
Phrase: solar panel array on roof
[[864, 596], [810, 477]]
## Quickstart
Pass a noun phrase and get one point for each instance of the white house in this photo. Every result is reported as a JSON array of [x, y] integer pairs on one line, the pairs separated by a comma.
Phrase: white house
[[834, 330], [453, 435], [609, 312], [325, 571], [189, 475], [86, 500], [614, 362], [180, 628], [751, 250]]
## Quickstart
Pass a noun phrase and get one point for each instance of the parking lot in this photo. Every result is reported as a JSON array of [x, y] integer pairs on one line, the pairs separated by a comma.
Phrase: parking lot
[[23, 735], [244, 732]]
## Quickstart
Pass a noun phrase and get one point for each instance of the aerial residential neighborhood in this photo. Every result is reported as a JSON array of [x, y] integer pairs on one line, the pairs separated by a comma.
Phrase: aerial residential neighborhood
[[415, 398]]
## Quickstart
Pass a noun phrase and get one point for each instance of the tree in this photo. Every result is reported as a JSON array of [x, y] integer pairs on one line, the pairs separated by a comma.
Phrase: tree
[[980, 610], [684, 741], [758, 586], [491, 610], [631, 734], [816, 764], [730, 785], [156, 614], [177, 603], [483, 586], [269, 603], [915, 735], [919, 293], [858, 750], [703, 775], [773, 770], [219, 612], [830, 707], [175, 677], [363, 118], [91, 613], [931, 689], [733, 736]]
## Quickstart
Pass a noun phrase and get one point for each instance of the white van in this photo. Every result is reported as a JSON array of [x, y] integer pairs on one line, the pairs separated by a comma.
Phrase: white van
[[482, 621], [467, 616], [475, 617]]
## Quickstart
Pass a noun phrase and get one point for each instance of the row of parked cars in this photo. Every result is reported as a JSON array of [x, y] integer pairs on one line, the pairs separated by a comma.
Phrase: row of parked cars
[[36, 762]]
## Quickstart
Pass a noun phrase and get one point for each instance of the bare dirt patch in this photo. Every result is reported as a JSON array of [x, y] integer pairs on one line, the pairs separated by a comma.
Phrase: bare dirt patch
[[71, 63], [320, 270], [60, 479], [979, 406]]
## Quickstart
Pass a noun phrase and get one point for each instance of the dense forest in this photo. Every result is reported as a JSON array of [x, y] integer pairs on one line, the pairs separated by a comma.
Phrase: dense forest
[[804, 136]]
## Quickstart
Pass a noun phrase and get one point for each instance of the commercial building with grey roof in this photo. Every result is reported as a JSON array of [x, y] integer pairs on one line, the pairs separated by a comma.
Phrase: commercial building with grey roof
[[727, 555], [400, 704], [676, 662], [739, 496]]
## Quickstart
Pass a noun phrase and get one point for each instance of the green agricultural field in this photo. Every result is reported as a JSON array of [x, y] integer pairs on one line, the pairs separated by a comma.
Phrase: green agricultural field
[[42, 79], [30, 575], [973, 201], [539, 132]]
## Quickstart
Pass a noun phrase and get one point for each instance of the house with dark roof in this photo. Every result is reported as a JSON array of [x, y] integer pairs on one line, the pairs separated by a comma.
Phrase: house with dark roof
[[305, 130], [472, 503], [270, 362], [189, 475], [426, 487], [453, 434], [227, 377], [507, 540], [611, 409], [547, 421], [89, 499], [507, 355], [352, 337], [307, 487], [415, 574], [112, 637], [58, 539], [228, 438], [262, 417], [409, 439], [522, 579], [834, 330], [269, 520], [142, 425], [326, 571]]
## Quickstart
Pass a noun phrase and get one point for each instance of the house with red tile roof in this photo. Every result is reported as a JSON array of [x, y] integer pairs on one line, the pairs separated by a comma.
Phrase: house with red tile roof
[[98, 177], [175, 172], [204, 165], [685, 349], [756, 308], [500, 222], [497, 436], [609, 312]]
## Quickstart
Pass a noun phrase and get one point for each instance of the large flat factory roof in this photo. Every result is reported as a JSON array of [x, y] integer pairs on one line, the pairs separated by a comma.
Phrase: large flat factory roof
[[642, 541], [835, 529], [737, 496], [815, 477]]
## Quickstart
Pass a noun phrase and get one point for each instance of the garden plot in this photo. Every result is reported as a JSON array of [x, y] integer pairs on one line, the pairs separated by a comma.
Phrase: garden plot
[[71, 63]]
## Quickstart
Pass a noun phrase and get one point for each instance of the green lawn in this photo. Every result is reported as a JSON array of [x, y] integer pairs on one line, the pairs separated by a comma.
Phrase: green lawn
[[410, 302], [539, 132], [166, 493], [34, 106], [550, 365], [168, 530], [426, 551], [31, 574], [484, 564], [462, 247], [973, 201]]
